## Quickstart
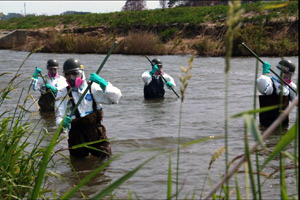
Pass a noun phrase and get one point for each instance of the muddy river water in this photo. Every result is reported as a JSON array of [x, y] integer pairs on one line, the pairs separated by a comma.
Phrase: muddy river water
[[135, 124]]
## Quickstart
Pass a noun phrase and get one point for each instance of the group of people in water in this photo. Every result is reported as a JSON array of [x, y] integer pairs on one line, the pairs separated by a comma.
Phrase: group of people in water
[[77, 102]]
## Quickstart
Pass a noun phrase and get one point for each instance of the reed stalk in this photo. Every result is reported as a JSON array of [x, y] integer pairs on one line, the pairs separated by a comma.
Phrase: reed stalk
[[184, 80], [259, 40], [234, 14], [270, 130]]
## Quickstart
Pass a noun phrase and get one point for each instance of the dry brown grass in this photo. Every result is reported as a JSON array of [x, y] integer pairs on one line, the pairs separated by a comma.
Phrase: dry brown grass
[[141, 43], [207, 46]]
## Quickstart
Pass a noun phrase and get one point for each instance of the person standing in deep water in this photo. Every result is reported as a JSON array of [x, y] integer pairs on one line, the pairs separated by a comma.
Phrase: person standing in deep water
[[271, 87], [48, 85], [153, 82], [85, 125]]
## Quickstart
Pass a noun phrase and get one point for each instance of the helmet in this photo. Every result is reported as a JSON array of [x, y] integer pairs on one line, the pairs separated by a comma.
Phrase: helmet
[[52, 63], [72, 64], [157, 62], [287, 66]]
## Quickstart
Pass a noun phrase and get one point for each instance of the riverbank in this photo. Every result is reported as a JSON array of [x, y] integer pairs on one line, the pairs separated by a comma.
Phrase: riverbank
[[176, 31]]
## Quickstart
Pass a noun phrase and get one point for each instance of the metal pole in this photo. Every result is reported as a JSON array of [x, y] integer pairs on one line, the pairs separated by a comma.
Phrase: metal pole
[[270, 69], [90, 83]]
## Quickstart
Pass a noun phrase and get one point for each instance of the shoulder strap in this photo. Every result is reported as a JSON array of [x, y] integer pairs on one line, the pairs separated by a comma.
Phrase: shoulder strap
[[72, 101]]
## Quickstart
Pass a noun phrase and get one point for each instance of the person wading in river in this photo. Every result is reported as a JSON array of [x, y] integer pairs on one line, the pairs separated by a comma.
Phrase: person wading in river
[[85, 125], [48, 85], [154, 84], [271, 87]]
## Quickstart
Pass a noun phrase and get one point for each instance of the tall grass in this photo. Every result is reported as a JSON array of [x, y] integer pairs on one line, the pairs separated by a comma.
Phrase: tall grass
[[234, 15], [250, 122], [20, 158]]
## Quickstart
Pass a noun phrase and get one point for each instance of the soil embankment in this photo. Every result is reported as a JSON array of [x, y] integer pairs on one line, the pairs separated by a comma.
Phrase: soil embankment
[[205, 39]]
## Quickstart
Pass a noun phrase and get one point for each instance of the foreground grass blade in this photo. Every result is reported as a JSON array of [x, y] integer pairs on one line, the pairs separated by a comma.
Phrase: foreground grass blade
[[121, 180], [251, 124], [248, 164], [169, 195], [264, 109], [69, 194], [283, 188], [285, 140], [44, 163], [237, 189]]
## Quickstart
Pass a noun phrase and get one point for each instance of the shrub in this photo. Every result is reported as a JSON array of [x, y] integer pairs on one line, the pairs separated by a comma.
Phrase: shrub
[[141, 44], [207, 46], [168, 34]]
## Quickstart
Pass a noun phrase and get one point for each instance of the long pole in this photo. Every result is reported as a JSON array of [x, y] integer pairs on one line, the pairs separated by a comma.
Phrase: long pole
[[90, 83], [163, 77], [270, 69]]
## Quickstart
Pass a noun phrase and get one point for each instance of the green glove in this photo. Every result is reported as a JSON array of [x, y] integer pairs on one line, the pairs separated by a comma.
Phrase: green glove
[[154, 69], [67, 122], [36, 73], [169, 84], [266, 67], [97, 79], [50, 87]]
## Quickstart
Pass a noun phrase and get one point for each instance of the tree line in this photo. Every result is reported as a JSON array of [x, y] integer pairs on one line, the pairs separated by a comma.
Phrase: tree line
[[137, 5]]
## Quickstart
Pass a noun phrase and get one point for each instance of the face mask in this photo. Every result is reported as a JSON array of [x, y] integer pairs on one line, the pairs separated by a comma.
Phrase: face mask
[[52, 72], [74, 82], [161, 71], [288, 79]]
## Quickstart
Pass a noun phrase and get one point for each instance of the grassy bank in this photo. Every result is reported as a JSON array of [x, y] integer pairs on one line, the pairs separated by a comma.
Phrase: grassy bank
[[180, 30]]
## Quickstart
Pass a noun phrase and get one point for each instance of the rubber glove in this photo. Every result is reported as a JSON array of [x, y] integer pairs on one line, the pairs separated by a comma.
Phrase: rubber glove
[[67, 122], [97, 79], [36, 73], [169, 84], [154, 69], [266, 67], [50, 87]]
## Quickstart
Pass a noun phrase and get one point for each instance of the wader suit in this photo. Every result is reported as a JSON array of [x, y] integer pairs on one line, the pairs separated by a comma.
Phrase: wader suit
[[153, 82], [47, 98], [267, 118], [271, 88], [57, 82], [86, 122]]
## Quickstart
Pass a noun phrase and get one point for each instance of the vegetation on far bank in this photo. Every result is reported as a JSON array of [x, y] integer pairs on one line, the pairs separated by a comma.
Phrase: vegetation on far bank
[[179, 30], [150, 18]]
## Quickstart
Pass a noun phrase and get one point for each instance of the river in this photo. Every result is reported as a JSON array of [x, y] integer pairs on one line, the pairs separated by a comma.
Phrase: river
[[135, 124]]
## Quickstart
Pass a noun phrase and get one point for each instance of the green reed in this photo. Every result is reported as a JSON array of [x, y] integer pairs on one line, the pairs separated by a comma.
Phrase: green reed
[[250, 124], [184, 80], [19, 157], [234, 14]]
